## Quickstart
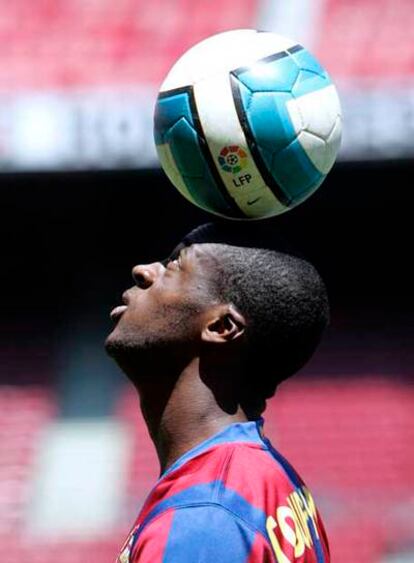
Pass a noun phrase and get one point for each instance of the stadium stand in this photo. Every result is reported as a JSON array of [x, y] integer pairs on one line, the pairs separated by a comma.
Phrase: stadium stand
[[124, 43], [82, 44], [102, 550], [24, 413], [369, 415], [357, 535], [367, 39]]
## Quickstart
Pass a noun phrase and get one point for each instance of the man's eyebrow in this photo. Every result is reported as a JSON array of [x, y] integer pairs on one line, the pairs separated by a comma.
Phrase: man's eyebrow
[[174, 254]]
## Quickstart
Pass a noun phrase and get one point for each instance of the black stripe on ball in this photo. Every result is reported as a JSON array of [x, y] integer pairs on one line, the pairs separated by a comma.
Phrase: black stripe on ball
[[234, 208], [268, 178], [265, 173]]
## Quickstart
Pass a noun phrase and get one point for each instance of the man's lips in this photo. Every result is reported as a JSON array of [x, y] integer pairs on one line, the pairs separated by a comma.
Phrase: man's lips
[[118, 312]]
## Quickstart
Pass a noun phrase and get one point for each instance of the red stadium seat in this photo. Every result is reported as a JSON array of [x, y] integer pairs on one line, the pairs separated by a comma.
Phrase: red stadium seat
[[367, 38], [23, 415], [357, 540], [355, 427], [79, 44]]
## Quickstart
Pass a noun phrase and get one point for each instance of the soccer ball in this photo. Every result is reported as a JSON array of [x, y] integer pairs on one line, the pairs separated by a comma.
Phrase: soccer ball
[[247, 124]]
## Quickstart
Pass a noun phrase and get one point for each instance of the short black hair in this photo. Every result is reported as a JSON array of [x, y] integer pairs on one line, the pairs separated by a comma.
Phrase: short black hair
[[282, 296]]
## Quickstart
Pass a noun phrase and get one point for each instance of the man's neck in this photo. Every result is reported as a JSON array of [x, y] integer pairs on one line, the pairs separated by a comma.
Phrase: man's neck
[[181, 414]]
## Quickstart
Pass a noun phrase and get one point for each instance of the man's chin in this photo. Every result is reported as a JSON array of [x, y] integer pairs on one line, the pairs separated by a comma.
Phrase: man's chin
[[124, 353], [115, 345], [110, 345], [124, 347]]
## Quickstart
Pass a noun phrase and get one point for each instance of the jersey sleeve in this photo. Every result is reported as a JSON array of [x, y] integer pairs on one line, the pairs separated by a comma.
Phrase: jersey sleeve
[[204, 534]]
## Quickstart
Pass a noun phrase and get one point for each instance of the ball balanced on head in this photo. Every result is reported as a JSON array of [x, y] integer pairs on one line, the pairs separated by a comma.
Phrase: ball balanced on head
[[247, 124]]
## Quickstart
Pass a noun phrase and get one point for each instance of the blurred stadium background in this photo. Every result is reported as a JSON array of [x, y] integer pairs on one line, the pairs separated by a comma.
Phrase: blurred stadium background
[[83, 200]]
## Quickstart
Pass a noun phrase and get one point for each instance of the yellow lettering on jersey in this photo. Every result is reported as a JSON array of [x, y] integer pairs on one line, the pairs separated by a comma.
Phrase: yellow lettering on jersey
[[301, 508], [301, 517], [310, 507], [294, 537], [306, 507], [271, 525], [282, 513]]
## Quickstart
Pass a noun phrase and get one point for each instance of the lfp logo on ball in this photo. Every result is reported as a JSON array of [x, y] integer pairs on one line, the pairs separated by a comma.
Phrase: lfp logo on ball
[[233, 159]]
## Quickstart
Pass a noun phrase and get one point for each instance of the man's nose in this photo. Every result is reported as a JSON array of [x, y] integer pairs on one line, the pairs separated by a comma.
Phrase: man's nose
[[144, 275]]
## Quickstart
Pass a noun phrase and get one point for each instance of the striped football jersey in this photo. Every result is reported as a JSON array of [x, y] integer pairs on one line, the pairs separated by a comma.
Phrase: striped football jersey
[[232, 498]]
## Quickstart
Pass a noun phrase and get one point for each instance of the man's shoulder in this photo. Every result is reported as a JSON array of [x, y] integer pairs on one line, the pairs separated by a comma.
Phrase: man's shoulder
[[255, 478], [248, 478], [206, 532], [247, 489], [243, 478]]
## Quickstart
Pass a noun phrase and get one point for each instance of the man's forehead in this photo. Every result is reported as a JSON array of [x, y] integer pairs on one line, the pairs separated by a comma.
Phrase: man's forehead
[[214, 233], [192, 250]]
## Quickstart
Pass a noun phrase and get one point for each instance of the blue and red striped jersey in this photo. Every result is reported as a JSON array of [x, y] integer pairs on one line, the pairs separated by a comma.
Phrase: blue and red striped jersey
[[233, 498]]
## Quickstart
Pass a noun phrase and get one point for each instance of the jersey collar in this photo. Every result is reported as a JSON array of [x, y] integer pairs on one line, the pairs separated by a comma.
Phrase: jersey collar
[[241, 432]]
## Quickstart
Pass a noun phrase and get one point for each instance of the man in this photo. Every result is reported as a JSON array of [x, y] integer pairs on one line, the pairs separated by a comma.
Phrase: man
[[205, 337]]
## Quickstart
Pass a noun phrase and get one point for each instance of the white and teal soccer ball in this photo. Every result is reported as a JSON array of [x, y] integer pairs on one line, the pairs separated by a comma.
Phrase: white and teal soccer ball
[[247, 124]]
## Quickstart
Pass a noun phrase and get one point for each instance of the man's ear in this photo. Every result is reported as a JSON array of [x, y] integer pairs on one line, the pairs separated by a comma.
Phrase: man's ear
[[223, 324]]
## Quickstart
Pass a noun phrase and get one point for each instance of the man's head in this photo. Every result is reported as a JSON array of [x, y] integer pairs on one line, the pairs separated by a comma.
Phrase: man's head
[[263, 309]]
